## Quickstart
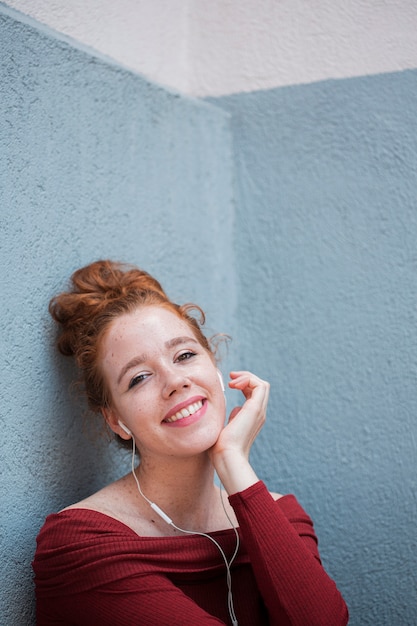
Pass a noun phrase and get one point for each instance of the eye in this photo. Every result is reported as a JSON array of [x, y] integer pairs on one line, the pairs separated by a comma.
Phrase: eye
[[136, 380], [184, 356]]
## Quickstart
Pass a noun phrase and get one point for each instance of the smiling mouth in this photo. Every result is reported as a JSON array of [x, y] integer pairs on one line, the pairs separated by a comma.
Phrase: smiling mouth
[[186, 412]]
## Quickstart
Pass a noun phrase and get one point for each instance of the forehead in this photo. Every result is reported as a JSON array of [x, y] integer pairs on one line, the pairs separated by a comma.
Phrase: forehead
[[148, 324], [141, 335]]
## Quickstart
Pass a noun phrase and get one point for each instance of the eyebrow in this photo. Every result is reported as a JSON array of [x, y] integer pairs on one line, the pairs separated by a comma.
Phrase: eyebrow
[[138, 360]]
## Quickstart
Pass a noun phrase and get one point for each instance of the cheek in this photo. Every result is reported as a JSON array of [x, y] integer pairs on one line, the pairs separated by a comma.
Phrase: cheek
[[131, 408], [220, 403], [142, 411]]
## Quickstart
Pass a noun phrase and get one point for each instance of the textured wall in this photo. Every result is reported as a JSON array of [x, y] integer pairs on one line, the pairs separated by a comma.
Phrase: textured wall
[[223, 46], [97, 162], [326, 249], [94, 162]]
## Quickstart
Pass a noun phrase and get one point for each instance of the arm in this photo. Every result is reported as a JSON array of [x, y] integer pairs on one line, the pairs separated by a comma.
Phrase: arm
[[294, 585], [283, 552]]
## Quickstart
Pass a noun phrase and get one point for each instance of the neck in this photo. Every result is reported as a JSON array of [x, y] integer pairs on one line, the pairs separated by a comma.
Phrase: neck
[[184, 490]]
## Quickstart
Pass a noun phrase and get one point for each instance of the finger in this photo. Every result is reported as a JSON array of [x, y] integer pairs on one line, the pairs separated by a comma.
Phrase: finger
[[249, 384], [237, 377]]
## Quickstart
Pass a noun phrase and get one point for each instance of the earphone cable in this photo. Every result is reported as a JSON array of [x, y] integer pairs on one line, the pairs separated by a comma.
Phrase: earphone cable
[[169, 521]]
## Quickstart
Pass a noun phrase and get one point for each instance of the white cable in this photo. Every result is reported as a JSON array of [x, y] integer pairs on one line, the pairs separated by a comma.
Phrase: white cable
[[169, 521]]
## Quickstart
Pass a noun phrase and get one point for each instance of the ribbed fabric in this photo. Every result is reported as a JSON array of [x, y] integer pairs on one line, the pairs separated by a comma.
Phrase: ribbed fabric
[[92, 569]]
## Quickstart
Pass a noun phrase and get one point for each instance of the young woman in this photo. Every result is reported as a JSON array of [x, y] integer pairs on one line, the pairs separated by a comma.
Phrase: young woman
[[164, 545]]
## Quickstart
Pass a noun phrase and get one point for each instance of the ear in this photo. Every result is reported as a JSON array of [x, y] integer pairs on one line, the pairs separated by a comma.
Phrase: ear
[[115, 423]]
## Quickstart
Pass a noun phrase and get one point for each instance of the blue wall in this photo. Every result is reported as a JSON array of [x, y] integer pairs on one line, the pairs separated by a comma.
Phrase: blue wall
[[309, 260], [95, 162], [326, 245]]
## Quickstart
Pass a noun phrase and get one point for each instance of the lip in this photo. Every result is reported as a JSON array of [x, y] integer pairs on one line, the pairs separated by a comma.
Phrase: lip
[[186, 421], [182, 405]]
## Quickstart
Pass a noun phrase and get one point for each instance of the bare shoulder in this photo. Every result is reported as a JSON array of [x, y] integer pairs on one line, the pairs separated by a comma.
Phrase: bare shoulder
[[107, 500], [119, 501]]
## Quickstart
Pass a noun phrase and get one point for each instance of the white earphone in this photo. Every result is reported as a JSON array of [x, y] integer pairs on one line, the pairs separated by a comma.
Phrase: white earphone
[[125, 428], [219, 374]]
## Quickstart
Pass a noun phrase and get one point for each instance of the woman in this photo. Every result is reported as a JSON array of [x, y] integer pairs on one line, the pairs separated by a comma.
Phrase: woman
[[164, 545]]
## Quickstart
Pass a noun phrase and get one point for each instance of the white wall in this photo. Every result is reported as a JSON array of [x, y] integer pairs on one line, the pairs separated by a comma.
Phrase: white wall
[[149, 36], [250, 45], [227, 46]]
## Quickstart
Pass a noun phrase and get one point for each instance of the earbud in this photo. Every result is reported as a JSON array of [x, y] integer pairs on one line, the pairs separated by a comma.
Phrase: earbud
[[219, 374], [125, 428]]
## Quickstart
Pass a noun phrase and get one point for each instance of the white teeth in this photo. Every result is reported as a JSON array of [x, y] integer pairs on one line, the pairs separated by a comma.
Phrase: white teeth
[[189, 410]]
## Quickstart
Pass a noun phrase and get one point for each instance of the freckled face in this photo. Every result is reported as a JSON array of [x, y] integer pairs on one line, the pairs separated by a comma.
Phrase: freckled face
[[163, 384]]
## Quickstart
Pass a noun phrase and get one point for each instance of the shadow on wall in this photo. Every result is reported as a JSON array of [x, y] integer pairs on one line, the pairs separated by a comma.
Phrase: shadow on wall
[[96, 163]]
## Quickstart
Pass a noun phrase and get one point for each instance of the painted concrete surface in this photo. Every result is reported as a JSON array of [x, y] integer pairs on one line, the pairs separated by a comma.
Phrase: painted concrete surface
[[326, 215], [223, 46], [94, 162], [309, 261]]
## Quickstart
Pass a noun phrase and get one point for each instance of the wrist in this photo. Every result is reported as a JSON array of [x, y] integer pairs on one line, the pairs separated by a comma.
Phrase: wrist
[[235, 472]]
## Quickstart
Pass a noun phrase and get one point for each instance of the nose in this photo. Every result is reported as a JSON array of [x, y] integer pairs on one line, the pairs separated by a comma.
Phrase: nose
[[174, 380]]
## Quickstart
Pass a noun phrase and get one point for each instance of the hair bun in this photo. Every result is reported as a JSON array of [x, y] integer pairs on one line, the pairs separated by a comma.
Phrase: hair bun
[[93, 289], [110, 279]]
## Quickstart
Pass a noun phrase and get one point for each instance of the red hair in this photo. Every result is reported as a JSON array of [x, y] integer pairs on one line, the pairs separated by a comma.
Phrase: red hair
[[101, 292]]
